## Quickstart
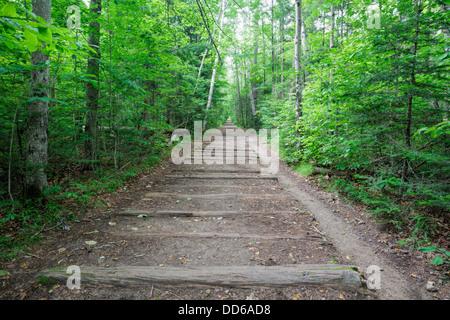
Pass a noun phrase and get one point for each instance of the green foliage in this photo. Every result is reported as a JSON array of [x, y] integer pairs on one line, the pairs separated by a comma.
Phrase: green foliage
[[382, 206], [438, 260], [22, 225], [374, 106], [26, 224], [304, 169], [150, 57], [422, 224]]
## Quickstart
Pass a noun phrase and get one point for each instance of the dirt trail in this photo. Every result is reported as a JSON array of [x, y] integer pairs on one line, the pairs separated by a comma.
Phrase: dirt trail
[[207, 217]]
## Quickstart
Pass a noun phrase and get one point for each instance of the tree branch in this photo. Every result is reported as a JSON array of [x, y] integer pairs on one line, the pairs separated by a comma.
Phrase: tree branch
[[207, 28]]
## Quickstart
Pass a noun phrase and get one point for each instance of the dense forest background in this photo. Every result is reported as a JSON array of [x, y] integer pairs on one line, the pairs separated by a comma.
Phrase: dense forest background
[[91, 91]]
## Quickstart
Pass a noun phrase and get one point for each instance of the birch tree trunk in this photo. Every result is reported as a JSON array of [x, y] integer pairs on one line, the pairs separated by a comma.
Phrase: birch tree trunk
[[37, 132], [332, 27], [216, 62], [200, 69], [241, 112], [255, 66], [92, 90], [304, 49], [323, 26], [203, 58], [252, 97]]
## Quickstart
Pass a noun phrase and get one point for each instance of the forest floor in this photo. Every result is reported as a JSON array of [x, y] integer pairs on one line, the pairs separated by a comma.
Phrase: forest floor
[[241, 222]]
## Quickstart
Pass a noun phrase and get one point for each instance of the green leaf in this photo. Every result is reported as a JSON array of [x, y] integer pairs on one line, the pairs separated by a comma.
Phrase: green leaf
[[45, 99], [31, 40], [9, 10], [45, 34], [4, 273], [437, 261], [11, 45], [12, 23], [428, 249], [443, 56]]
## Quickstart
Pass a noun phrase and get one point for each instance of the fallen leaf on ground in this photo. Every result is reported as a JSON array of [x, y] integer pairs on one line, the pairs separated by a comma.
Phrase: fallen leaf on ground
[[251, 297], [3, 273]]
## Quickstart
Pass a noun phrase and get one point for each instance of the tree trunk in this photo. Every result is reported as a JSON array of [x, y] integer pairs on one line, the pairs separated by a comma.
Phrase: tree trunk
[[298, 57], [273, 56], [37, 132], [327, 275], [252, 97], [200, 69], [216, 62], [412, 80], [92, 90], [323, 25], [255, 66], [332, 27], [342, 24], [281, 48], [238, 92], [446, 32], [203, 58], [304, 49]]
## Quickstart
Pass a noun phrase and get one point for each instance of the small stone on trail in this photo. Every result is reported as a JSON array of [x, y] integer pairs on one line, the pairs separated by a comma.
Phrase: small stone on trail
[[431, 287]]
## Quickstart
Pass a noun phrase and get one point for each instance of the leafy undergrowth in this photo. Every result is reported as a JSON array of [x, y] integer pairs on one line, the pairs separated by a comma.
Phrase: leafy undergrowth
[[418, 227], [304, 169], [26, 222]]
